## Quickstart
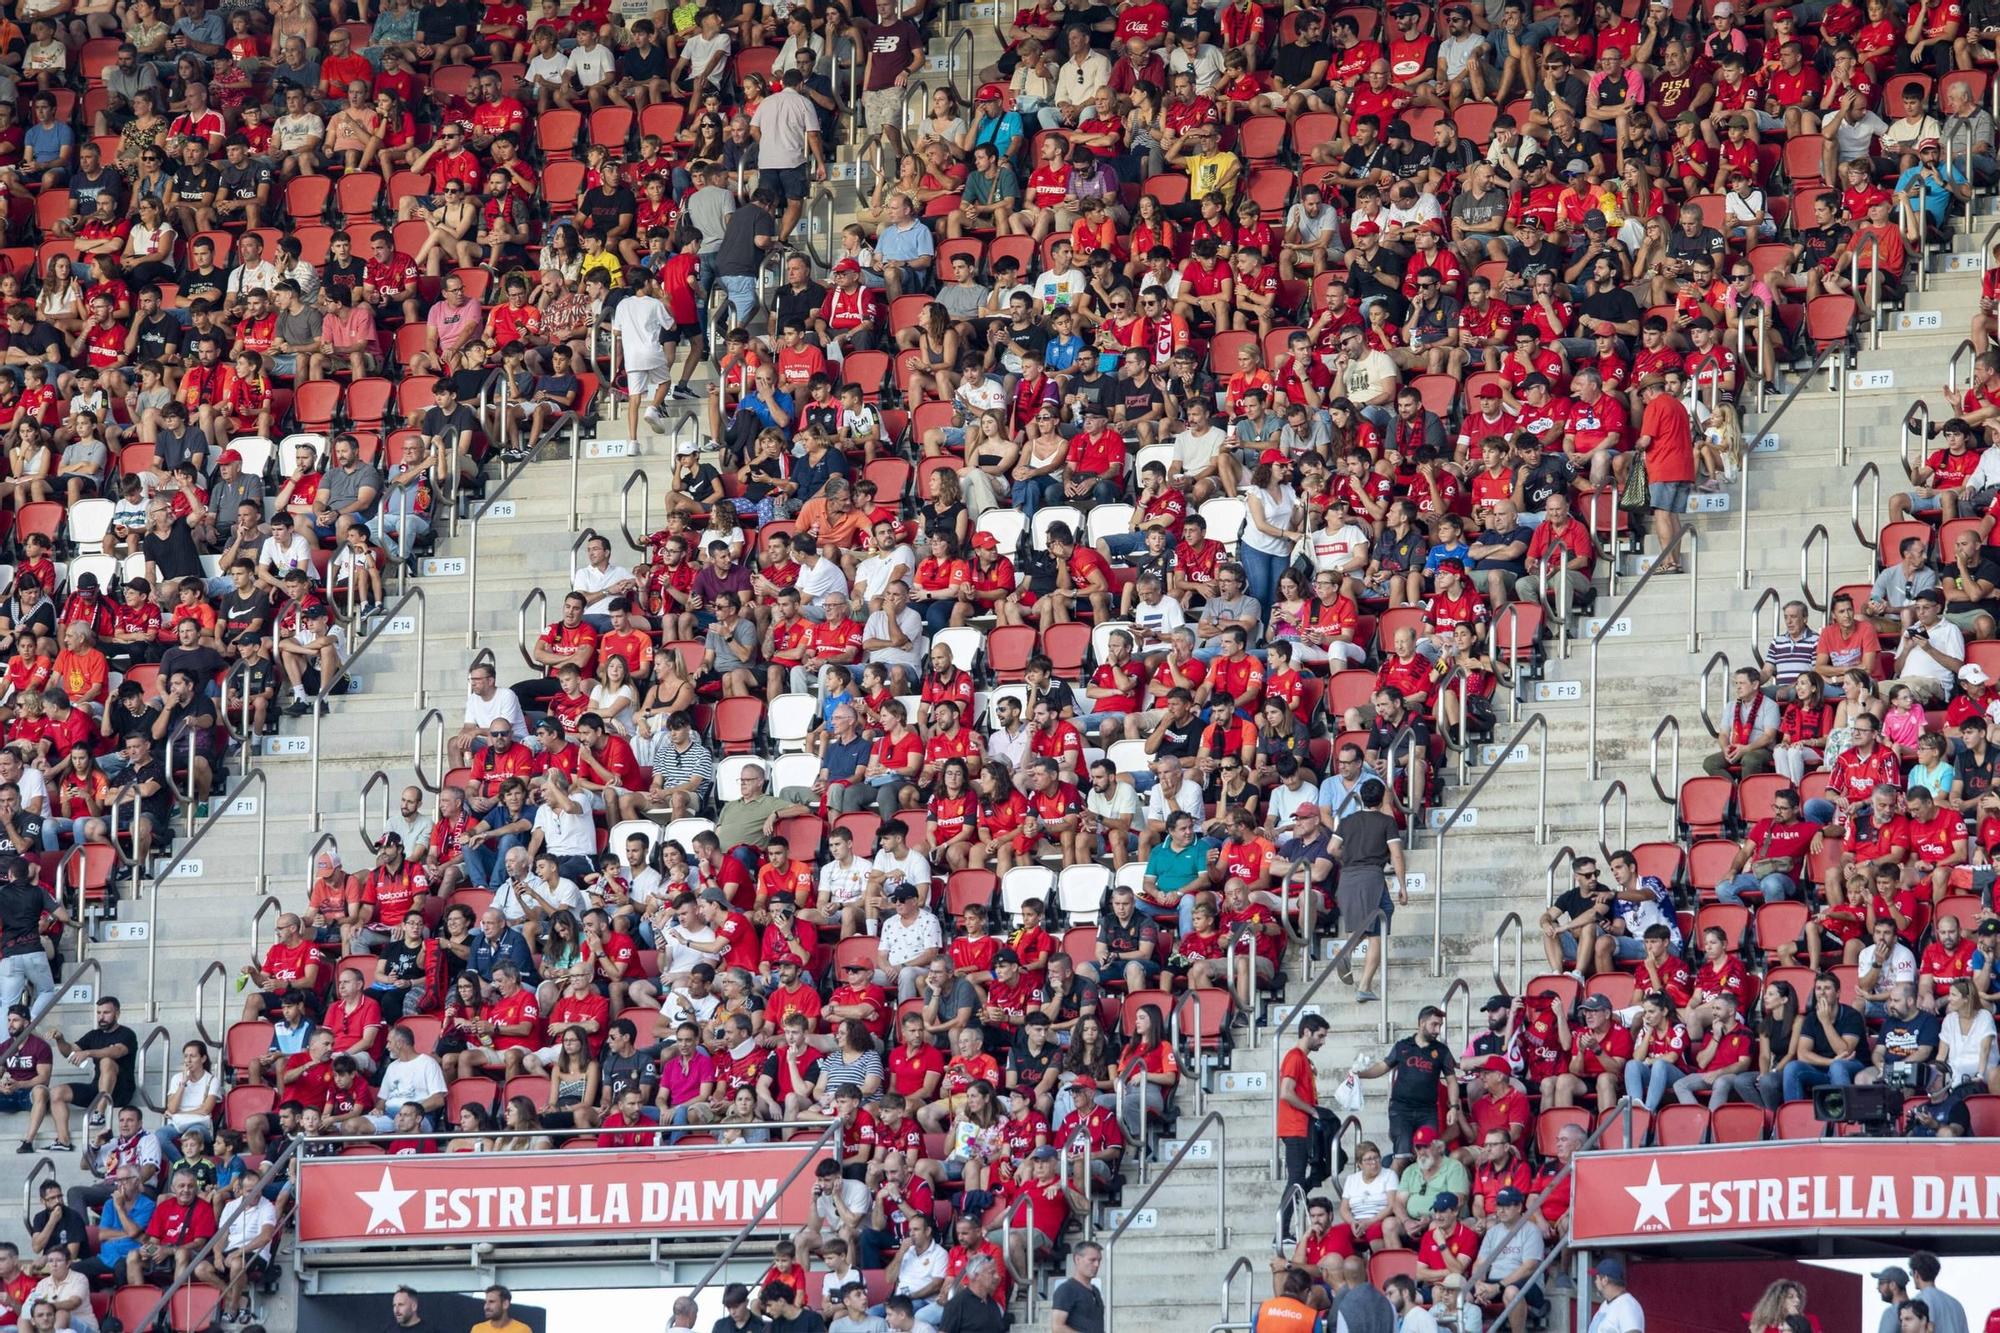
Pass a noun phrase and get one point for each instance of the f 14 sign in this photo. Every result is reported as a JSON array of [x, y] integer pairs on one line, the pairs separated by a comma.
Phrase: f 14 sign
[[453, 1198], [1854, 1185]]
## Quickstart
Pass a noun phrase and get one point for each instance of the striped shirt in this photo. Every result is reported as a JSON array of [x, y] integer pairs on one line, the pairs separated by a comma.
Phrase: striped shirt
[[675, 767], [840, 1072], [1787, 657]]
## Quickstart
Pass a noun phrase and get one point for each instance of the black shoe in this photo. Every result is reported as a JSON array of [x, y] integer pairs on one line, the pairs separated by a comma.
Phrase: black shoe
[[297, 708], [62, 1147], [25, 1148]]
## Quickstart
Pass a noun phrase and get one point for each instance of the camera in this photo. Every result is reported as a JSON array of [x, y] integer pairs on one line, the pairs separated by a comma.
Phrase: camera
[[1899, 1074]]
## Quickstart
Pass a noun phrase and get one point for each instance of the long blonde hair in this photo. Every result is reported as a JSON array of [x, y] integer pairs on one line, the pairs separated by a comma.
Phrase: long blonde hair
[[1725, 431], [1770, 1312]]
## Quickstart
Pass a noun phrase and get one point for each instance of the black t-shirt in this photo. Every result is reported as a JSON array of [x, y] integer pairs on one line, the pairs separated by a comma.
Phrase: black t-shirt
[[1029, 1067], [1137, 397], [1418, 1069], [1706, 243], [83, 191], [1817, 244], [1379, 274], [800, 306], [240, 611], [21, 907], [1976, 774], [1585, 145], [29, 827], [194, 282], [159, 806], [339, 277], [1293, 62], [641, 64], [405, 961], [69, 1230], [619, 1072], [125, 722], [174, 553], [1551, 473], [1527, 263], [602, 208], [739, 255], [200, 661], [192, 182], [1078, 1000], [1573, 91], [1615, 305], [98, 1039], [459, 422], [158, 336], [1986, 571], [1846, 1023], [435, 23], [243, 182], [1082, 1306], [966, 1312], [36, 340]]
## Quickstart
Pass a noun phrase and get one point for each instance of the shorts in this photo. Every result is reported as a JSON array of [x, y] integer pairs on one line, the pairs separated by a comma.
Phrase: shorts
[[1628, 949], [1926, 504], [14, 1102], [884, 107], [788, 182], [638, 382], [1966, 620], [1671, 496]]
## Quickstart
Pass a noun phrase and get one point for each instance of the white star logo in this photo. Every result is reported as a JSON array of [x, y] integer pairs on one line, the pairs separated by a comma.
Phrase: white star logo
[[385, 1205], [1652, 1198]]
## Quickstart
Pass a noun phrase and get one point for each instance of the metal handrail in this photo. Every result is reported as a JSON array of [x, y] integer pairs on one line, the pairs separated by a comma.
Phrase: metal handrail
[[128, 858], [264, 909], [1708, 670], [1867, 537], [1533, 1282], [1511, 920], [644, 481], [452, 480], [43, 1166], [1536, 722], [183, 800], [1965, 344], [256, 779], [1617, 788], [44, 1003], [1459, 989], [432, 722], [157, 1105], [1692, 541], [1242, 1265], [1818, 534], [521, 634], [215, 969], [1563, 853], [1770, 423], [1672, 798], [830, 1136], [376, 779], [1872, 244], [1768, 597], [1212, 1120], [1923, 214], [507, 479], [954, 71], [361, 650], [1915, 426], [914, 90], [201, 1256]]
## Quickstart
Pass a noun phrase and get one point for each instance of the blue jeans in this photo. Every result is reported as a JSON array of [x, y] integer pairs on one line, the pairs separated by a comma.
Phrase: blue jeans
[[1262, 570], [1801, 1078], [1102, 493], [1818, 810], [485, 862], [1122, 544], [1027, 496], [1649, 1081], [742, 290], [1775, 888], [1182, 911]]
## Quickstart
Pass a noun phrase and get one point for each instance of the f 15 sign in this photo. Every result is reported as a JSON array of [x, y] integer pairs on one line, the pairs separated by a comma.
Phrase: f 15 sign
[[1853, 1185], [450, 1199]]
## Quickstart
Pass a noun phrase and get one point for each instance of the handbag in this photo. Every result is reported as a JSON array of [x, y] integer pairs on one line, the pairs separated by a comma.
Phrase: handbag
[[1635, 498]]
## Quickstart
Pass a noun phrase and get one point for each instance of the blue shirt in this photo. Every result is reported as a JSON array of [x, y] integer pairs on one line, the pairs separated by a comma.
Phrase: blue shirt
[[1339, 798], [486, 955], [46, 142], [810, 477], [842, 762], [762, 410], [115, 1247], [912, 240], [1937, 197], [1169, 869], [1061, 353], [1441, 553]]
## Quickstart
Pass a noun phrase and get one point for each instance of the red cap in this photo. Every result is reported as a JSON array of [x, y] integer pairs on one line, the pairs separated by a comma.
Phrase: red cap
[[1424, 1137], [991, 92], [1497, 1064], [848, 266], [1488, 390], [1276, 456], [1366, 229], [985, 541], [1782, 16], [1084, 1081], [1606, 329], [229, 456]]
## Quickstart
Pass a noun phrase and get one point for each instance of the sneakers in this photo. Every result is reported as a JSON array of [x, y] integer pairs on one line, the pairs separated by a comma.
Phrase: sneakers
[[25, 1148], [682, 392], [1366, 996], [62, 1147], [655, 418]]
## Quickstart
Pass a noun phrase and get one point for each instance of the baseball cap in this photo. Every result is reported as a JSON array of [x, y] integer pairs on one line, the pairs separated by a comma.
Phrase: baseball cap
[[847, 266], [991, 92], [1446, 1202], [1595, 220], [1307, 809], [1973, 674], [1398, 129], [1930, 595], [985, 541], [228, 456], [1923, 144], [1496, 1064], [1084, 1081], [1598, 1002], [1366, 229], [1893, 1273], [1424, 1137], [1535, 382], [319, 611], [1613, 1270], [1488, 390], [1576, 166], [687, 449], [715, 896], [1496, 1002], [1045, 1154], [1507, 1198], [1273, 456], [903, 893], [1606, 329]]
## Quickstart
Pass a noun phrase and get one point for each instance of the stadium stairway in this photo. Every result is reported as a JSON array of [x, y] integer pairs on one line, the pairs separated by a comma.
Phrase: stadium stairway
[[1496, 863]]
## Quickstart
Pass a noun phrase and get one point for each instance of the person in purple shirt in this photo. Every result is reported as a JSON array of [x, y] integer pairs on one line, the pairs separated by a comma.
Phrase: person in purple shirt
[[722, 574]]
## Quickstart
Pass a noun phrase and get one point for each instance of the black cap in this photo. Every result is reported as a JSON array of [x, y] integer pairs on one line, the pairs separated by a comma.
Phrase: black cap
[[1006, 956], [1595, 220], [1496, 1002], [1535, 382], [1397, 129]]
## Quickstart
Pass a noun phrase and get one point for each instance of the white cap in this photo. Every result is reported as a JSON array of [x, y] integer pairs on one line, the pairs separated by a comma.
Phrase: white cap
[[688, 448], [1973, 674]]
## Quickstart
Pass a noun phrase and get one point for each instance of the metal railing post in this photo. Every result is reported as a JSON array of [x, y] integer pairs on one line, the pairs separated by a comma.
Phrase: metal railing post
[[1537, 722], [1707, 672], [1915, 427], [1819, 535], [327, 688], [255, 780], [1513, 920], [1617, 788], [1672, 798]]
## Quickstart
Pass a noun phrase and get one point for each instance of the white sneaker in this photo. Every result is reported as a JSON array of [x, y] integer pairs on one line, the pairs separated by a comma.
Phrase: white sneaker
[[655, 418]]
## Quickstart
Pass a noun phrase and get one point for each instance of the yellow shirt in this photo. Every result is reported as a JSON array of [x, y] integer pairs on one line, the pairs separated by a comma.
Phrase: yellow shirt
[[614, 272], [1205, 173], [511, 1326]]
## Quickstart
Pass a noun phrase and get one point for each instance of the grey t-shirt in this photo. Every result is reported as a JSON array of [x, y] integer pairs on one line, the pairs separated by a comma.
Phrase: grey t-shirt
[[958, 998], [962, 301], [343, 488], [708, 209], [85, 453], [300, 328], [736, 652], [1476, 210], [1222, 611]]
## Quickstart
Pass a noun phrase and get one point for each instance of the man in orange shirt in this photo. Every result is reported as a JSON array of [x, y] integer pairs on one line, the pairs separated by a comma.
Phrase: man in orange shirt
[[1666, 434], [1298, 1100], [81, 668]]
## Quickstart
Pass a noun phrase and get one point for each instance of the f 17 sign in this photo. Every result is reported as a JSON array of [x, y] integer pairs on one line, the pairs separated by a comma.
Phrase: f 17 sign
[[453, 1198], [1852, 1185]]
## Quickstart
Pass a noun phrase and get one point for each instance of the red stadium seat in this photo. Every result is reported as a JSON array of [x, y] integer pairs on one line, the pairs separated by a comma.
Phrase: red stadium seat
[[1680, 1126], [1737, 1122]]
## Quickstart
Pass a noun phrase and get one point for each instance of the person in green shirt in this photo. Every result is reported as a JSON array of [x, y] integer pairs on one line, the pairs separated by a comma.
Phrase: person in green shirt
[[1434, 1172], [1176, 873]]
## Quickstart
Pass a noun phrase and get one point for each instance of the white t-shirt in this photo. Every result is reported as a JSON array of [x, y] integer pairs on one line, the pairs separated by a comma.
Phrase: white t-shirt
[[285, 559], [909, 869], [591, 65], [912, 626], [242, 1221], [1187, 800], [592, 581], [482, 713], [1159, 617], [681, 956], [551, 67], [412, 1080], [1900, 966], [1332, 548], [1365, 1198], [1195, 452], [819, 581], [1620, 1315], [873, 576], [1058, 291], [1962, 1049], [641, 321], [568, 833], [699, 50], [1920, 665]]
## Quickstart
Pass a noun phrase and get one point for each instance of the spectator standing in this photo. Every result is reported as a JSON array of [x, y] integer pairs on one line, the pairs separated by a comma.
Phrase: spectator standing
[[1946, 1314], [499, 1311], [1288, 1312], [1620, 1311], [1358, 1307], [1419, 1064], [1892, 1286], [1078, 1306], [1298, 1099]]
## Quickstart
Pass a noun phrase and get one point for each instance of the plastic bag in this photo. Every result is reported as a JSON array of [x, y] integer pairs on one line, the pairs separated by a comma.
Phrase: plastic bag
[[1347, 1093]]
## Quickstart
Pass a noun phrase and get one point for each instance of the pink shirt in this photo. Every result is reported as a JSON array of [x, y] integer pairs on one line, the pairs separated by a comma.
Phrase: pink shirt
[[454, 326]]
